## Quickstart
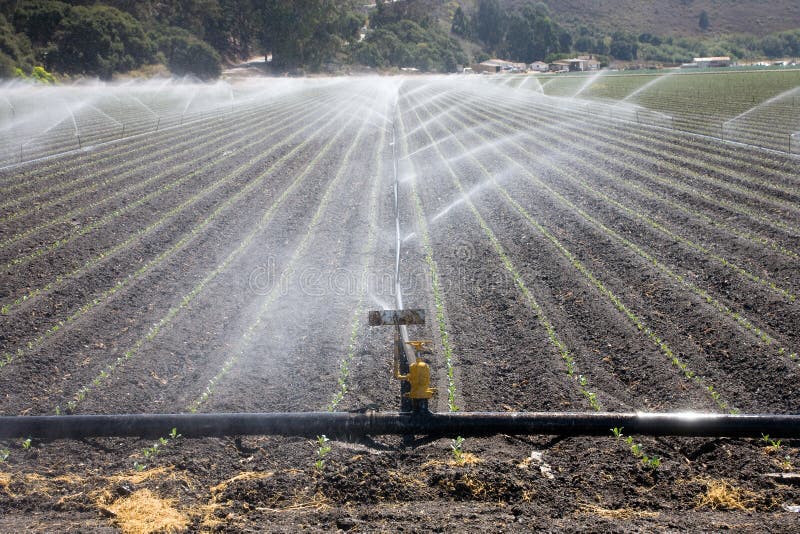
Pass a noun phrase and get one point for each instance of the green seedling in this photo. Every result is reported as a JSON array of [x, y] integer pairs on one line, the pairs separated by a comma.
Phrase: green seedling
[[26, 443], [139, 467], [322, 450], [457, 446], [651, 462], [774, 444], [173, 434], [4, 454]]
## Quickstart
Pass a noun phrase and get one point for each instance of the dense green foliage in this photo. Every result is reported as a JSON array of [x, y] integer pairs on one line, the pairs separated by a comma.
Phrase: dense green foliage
[[671, 50], [405, 35], [194, 37], [98, 40], [15, 49], [188, 55], [525, 34], [305, 33]]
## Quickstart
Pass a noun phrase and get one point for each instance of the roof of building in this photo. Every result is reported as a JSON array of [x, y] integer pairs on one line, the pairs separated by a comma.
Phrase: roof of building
[[715, 58], [501, 63]]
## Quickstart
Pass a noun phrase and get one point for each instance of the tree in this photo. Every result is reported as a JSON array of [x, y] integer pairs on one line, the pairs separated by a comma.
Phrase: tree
[[300, 33], [624, 46], [15, 48], [188, 55], [460, 24], [703, 22], [7, 66], [564, 41], [98, 41], [38, 19], [490, 23], [520, 39]]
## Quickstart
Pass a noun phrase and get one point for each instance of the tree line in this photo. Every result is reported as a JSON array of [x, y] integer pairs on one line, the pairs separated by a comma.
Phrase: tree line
[[528, 33], [193, 37]]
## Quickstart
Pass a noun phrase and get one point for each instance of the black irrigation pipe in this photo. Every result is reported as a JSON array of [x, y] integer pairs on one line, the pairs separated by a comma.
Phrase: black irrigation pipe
[[353, 425]]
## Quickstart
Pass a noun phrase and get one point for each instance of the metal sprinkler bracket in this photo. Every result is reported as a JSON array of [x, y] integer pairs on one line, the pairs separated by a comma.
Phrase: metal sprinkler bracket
[[415, 378]]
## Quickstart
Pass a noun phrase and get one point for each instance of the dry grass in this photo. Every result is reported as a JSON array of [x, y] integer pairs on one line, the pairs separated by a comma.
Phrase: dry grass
[[467, 459], [415, 482], [618, 514], [472, 487], [143, 512], [137, 477], [721, 495], [209, 513], [245, 475], [5, 481]]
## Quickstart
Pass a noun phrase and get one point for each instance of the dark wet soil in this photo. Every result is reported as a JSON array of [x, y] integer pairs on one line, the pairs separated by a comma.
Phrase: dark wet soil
[[255, 298]]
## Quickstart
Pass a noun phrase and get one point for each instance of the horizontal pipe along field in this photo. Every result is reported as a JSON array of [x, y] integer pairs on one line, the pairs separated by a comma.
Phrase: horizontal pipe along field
[[495, 281]]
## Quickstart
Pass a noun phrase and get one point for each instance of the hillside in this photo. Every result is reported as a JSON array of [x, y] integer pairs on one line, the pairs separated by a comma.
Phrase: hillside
[[678, 17], [669, 17]]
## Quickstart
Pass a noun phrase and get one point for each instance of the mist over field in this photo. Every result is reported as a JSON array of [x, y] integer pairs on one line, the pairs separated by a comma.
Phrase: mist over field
[[423, 265]]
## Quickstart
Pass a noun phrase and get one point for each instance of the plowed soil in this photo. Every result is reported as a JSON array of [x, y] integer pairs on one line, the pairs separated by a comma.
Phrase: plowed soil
[[576, 263]]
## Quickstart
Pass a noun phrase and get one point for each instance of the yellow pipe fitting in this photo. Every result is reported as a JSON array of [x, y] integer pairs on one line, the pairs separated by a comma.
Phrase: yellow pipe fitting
[[419, 373]]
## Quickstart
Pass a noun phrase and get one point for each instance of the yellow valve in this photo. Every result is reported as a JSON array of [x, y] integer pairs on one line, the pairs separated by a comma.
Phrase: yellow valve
[[419, 373], [421, 346], [419, 376]]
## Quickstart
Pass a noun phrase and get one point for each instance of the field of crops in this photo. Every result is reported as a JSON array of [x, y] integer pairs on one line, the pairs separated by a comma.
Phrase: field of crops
[[573, 254], [761, 108]]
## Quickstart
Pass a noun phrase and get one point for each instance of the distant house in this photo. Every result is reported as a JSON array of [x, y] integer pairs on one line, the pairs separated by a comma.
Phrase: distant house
[[706, 62], [578, 64], [539, 66], [499, 65]]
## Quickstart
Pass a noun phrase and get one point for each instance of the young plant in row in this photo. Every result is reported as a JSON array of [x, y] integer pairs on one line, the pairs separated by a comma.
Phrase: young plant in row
[[650, 462], [195, 231], [520, 283], [234, 132], [761, 335], [662, 345], [289, 270], [149, 453]]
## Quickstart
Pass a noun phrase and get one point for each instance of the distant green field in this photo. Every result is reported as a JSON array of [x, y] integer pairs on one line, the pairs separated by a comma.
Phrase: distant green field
[[755, 106]]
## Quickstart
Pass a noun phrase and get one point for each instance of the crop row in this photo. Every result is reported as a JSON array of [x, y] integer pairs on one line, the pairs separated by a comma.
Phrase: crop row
[[82, 124], [153, 153], [507, 263], [127, 152], [591, 189], [254, 328], [669, 180], [159, 223], [727, 158], [197, 229], [461, 127], [761, 102], [242, 249], [252, 137], [666, 153], [581, 268], [488, 143]]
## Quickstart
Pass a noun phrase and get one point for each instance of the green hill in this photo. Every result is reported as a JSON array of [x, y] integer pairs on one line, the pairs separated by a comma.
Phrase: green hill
[[671, 17]]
